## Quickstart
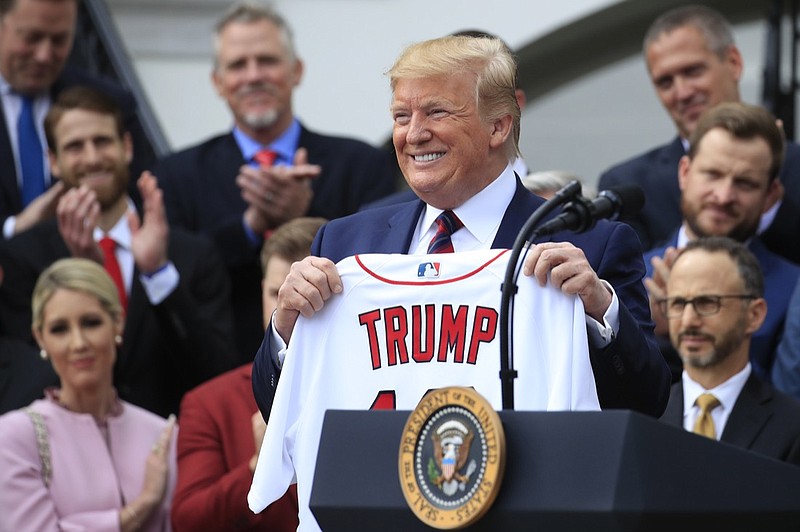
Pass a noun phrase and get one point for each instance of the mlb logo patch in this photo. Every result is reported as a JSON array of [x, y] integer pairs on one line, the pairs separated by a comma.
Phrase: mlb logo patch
[[428, 269]]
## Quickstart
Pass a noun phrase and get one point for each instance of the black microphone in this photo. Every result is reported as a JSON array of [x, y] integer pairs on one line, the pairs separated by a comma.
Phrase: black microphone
[[581, 214]]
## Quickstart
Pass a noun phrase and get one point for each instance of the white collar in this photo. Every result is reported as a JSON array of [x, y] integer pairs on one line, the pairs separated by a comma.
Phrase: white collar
[[482, 213], [120, 232], [726, 393]]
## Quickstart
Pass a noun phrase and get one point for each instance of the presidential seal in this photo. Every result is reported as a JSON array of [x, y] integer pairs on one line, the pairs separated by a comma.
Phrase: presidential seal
[[452, 457]]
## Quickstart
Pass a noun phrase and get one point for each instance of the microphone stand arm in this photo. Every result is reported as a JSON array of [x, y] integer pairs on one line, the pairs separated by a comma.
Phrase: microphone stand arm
[[509, 289]]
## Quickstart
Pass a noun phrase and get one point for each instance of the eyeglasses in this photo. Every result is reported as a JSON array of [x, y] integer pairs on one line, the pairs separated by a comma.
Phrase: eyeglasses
[[706, 305]]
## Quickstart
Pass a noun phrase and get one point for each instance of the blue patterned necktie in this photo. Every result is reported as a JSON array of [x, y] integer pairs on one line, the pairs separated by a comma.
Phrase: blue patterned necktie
[[31, 156], [447, 223]]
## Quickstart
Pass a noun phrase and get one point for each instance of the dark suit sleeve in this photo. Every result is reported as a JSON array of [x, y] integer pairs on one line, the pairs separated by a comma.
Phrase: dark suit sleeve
[[23, 374], [265, 376], [630, 372], [786, 368], [16, 286], [613, 178], [183, 197], [353, 174], [198, 313], [378, 181], [265, 371]]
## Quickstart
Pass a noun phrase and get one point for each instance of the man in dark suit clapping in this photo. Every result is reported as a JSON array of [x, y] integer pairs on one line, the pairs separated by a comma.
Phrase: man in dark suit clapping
[[240, 186]]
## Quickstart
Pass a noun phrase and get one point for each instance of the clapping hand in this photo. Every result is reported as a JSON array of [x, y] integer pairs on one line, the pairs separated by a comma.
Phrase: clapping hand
[[657, 288], [278, 193]]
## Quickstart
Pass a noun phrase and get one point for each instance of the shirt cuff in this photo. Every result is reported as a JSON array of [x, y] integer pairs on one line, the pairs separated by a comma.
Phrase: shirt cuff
[[277, 346], [8, 226], [602, 334], [251, 235], [161, 283]]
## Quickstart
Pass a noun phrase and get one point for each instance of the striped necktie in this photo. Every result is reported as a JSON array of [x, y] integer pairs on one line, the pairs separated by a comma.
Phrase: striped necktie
[[447, 223]]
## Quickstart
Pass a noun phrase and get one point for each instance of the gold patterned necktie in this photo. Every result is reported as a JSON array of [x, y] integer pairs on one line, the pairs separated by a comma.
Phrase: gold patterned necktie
[[704, 425]]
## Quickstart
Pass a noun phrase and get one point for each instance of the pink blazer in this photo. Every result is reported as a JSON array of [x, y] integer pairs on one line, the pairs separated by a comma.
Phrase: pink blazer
[[90, 478]]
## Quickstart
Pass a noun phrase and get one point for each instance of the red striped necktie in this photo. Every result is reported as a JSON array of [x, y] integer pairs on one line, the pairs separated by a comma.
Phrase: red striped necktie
[[447, 223]]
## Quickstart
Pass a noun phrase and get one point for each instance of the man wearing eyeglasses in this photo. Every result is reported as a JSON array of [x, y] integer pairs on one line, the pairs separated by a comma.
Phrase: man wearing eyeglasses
[[714, 305], [726, 180]]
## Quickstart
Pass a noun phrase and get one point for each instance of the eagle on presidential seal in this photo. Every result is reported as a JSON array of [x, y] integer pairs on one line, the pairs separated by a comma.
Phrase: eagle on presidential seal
[[451, 444]]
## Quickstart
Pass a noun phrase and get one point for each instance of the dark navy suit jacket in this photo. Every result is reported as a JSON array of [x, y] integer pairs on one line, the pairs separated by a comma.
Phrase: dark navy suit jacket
[[201, 195], [629, 372], [780, 277], [656, 171], [763, 420]]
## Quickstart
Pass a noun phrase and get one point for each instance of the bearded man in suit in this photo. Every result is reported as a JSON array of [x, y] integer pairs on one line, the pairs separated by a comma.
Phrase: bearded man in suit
[[714, 304]]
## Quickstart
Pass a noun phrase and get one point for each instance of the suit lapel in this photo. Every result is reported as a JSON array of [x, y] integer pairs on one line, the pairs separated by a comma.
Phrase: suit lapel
[[668, 171], [749, 415], [400, 228], [226, 163], [522, 205]]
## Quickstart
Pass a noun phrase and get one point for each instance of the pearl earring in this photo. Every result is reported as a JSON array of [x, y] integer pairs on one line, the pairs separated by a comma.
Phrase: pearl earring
[[118, 339], [43, 354]]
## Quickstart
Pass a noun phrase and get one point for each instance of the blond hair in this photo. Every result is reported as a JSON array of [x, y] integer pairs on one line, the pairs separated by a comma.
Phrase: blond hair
[[489, 60], [79, 275]]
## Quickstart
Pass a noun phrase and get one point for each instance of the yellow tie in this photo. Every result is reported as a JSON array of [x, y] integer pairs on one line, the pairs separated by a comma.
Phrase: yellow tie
[[704, 425]]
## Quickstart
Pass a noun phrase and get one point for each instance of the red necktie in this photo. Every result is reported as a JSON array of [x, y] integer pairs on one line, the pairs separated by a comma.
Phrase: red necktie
[[447, 224], [265, 157], [112, 267]]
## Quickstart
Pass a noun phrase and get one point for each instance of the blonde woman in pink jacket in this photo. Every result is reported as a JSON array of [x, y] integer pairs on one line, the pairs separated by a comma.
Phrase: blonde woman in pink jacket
[[82, 459]]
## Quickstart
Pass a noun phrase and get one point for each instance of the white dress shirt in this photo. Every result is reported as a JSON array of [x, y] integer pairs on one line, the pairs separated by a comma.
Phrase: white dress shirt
[[726, 393]]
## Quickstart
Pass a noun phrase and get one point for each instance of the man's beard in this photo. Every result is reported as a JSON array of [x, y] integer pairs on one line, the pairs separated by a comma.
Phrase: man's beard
[[722, 346], [262, 120], [741, 232], [110, 194]]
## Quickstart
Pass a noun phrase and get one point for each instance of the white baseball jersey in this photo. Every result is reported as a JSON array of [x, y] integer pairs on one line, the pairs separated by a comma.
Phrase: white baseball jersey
[[405, 324]]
